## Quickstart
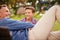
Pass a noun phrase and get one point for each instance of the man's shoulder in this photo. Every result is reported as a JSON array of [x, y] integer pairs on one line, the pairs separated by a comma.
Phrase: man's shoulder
[[7, 20]]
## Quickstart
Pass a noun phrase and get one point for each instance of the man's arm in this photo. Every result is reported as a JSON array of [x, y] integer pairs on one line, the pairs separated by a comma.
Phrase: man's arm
[[15, 25]]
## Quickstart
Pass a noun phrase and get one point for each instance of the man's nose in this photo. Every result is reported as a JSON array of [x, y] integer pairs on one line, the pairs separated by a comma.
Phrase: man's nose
[[9, 13]]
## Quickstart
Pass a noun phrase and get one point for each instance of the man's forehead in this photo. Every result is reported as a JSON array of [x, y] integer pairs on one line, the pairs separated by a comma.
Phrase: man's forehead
[[5, 8]]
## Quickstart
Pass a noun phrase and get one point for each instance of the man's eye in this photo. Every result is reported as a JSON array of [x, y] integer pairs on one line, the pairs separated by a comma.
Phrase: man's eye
[[7, 11]]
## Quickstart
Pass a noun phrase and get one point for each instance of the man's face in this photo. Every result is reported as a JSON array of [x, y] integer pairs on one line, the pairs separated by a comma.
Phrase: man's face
[[28, 13], [4, 12]]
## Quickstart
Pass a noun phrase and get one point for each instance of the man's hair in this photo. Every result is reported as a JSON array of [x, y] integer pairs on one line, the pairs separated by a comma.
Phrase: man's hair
[[3, 6], [31, 8]]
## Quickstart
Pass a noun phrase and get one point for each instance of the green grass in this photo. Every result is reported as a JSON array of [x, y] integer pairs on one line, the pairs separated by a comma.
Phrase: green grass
[[56, 26], [37, 16], [17, 17]]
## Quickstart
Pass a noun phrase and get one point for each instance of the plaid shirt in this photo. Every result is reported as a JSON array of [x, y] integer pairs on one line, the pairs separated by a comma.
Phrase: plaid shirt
[[34, 21]]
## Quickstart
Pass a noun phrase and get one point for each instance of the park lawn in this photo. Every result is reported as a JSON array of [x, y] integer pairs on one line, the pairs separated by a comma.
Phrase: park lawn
[[37, 16]]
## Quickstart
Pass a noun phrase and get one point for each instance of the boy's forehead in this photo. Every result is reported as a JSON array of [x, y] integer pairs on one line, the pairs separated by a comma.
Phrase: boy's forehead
[[28, 10]]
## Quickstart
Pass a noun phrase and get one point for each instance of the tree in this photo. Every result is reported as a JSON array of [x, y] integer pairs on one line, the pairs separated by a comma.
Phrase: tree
[[33, 2]]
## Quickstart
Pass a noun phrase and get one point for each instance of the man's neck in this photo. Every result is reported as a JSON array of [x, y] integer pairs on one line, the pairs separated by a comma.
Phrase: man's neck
[[2, 17]]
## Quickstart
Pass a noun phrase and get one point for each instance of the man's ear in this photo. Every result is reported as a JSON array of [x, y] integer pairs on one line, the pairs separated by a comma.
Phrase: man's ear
[[0, 12]]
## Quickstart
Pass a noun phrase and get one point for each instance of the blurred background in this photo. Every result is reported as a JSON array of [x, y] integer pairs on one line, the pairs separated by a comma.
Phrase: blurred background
[[41, 6]]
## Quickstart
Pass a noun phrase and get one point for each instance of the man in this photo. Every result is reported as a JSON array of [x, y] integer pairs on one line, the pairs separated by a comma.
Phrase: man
[[13, 25]]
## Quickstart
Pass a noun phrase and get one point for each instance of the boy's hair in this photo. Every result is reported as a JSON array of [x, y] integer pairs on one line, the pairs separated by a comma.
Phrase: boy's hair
[[31, 8]]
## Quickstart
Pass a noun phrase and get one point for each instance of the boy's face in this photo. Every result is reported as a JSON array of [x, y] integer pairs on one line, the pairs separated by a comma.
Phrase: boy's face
[[4, 12], [29, 13]]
